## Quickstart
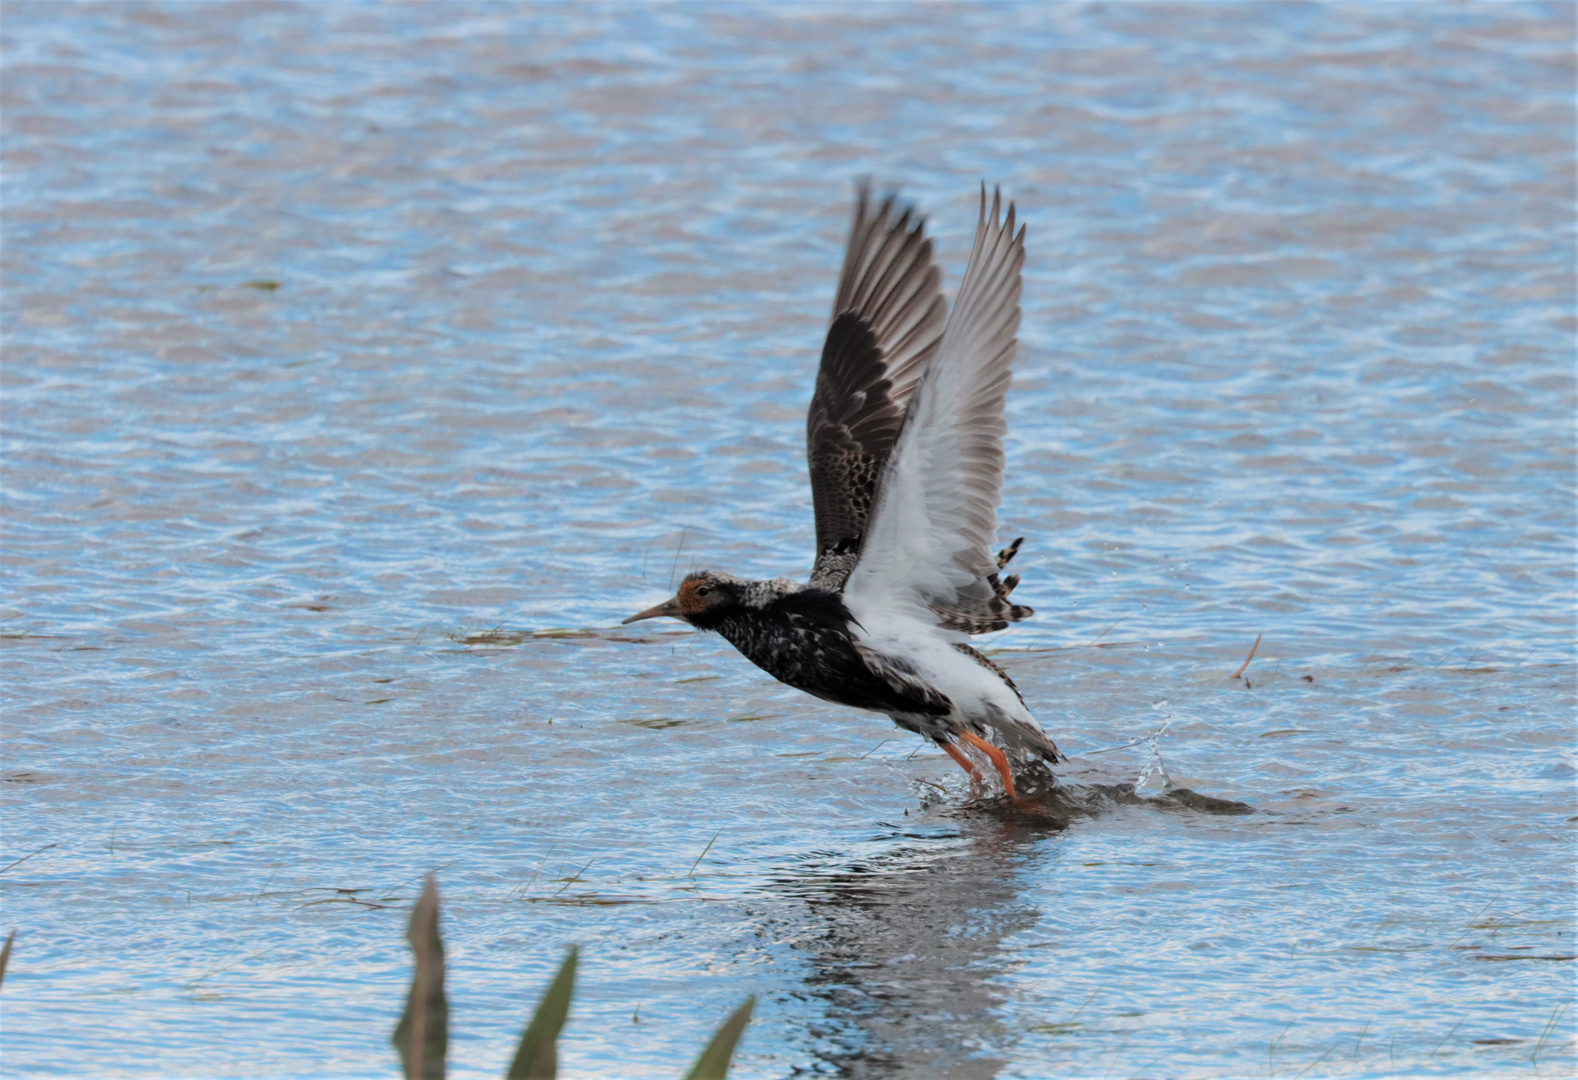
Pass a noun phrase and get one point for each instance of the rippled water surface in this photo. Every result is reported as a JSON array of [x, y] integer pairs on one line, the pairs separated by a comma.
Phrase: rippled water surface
[[365, 363]]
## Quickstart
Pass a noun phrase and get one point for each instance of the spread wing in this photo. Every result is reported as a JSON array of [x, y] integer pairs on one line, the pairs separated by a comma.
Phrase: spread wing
[[888, 317], [927, 552]]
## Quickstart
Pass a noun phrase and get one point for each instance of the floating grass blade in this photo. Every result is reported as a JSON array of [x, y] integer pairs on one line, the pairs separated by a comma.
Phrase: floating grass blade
[[703, 854], [5, 954], [714, 1061], [538, 1055], [1253, 649], [422, 1036]]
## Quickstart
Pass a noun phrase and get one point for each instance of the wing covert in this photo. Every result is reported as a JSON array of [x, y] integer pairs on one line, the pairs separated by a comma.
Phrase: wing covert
[[887, 321]]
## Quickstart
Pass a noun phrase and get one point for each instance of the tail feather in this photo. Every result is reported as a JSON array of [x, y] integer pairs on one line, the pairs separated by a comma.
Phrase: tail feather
[[1027, 738], [1021, 735]]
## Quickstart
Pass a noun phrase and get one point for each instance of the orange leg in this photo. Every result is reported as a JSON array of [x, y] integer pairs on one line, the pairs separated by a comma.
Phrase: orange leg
[[964, 762], [999, 759]]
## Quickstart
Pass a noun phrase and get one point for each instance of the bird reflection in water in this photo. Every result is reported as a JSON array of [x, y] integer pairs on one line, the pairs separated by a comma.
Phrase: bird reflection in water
[[910, 959]]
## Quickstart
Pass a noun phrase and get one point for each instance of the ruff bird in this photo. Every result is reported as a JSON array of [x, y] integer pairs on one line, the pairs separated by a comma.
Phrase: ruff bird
[[905, 446]]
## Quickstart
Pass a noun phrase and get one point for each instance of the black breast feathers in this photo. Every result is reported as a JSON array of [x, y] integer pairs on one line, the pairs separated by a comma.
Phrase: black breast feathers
[[803, 638]]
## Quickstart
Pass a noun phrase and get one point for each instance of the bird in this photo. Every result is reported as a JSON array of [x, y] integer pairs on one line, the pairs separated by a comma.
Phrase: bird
[[904, 442]]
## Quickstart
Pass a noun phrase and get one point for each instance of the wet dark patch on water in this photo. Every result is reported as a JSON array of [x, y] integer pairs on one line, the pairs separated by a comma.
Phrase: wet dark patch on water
[[1045, 801]]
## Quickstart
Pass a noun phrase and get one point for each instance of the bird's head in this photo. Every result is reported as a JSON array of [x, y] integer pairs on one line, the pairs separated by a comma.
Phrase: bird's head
[[703, 597]]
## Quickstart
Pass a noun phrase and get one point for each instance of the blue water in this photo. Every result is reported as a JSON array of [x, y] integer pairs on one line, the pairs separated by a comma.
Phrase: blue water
[[366, 363]]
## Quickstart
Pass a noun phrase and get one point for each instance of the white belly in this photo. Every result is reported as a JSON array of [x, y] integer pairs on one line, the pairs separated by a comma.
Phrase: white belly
[[980, 697]]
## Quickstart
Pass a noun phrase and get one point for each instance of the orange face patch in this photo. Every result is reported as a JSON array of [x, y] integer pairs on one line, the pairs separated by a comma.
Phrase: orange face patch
[[689, 602]]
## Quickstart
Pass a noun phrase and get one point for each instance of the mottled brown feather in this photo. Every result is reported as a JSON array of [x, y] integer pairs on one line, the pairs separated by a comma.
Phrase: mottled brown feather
[[887, 319], [992, 614]]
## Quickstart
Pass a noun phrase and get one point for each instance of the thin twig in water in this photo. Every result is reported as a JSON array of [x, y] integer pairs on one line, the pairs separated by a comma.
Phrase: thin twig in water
[[1470, 927], [1514, 667], [1104, 633], [1360, 1040], [875, 748], [26, 857], [1445, 1037], [577, 876], [1271, 1051], [422, 876], [343, 900], [1121, 1048], [1091, 997], [224, 967], [1317, 1061], [1252, 651], [1142, 1068], [1550, 1027], [673, 569], [526, 887], [703, 854]]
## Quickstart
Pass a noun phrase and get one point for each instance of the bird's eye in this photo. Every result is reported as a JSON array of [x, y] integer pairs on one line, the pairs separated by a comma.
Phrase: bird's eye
[[704, 590]]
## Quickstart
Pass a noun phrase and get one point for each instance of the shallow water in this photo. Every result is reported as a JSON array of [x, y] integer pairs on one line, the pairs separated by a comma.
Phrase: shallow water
[[354, 351]]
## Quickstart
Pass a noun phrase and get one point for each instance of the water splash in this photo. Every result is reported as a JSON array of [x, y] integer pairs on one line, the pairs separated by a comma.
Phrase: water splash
[[1153, 761]]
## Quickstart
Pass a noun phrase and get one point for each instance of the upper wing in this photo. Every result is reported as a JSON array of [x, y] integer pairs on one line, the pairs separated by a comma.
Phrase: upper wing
[[928, 547], [888, 317]]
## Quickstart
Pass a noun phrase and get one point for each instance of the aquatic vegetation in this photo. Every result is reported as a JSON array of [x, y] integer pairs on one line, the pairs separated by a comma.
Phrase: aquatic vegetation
[[422, 1035]]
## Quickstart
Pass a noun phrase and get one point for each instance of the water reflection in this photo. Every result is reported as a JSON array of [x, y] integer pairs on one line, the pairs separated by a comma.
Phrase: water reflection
[[911, 954], [911, 958]]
